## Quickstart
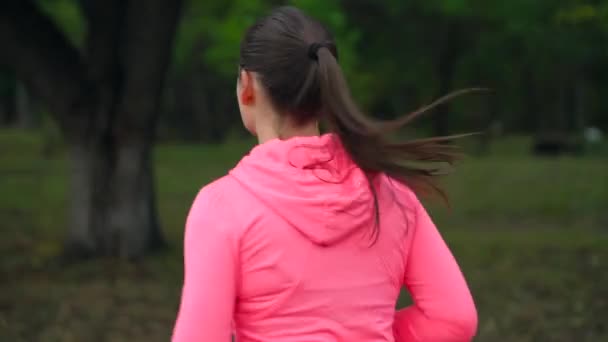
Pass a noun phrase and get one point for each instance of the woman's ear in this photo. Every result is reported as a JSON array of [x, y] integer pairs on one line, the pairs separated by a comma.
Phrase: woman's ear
[[246, 91]]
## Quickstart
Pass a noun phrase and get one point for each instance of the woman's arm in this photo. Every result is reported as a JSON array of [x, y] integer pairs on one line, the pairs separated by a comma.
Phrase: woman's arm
[[209, 290], [443, 309]]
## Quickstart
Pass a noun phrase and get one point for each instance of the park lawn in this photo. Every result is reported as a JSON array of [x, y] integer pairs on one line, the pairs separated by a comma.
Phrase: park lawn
[[530, 234]]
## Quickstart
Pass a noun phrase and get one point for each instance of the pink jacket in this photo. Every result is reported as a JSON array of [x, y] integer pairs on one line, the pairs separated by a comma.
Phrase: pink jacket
[[281, 250]]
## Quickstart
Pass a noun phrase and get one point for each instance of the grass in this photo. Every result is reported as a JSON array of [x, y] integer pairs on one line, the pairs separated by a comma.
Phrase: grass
[[530, 235]]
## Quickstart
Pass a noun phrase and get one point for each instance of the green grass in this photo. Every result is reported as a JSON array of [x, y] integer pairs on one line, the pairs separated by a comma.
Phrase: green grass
[[530, 235]]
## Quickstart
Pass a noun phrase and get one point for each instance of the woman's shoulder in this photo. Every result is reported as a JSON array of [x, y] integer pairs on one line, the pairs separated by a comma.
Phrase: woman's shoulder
[[221, 193], [222, 200], [219, 188]]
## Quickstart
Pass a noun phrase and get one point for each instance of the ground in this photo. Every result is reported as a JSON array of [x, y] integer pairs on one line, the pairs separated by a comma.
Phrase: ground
[[530, 234]]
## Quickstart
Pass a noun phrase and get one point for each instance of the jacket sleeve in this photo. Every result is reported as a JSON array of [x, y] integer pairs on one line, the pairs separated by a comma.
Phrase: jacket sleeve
[[209, 290], [443, 309]]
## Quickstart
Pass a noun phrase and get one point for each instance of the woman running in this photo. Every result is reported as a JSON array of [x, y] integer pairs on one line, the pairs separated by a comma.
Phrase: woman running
[[312, 237]]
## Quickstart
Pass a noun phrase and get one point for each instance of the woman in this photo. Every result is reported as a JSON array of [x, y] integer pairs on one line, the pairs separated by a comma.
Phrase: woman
[[312, 237]]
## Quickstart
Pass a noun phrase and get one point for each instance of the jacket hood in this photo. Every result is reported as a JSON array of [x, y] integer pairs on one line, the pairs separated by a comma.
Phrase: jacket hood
[[312, 183]]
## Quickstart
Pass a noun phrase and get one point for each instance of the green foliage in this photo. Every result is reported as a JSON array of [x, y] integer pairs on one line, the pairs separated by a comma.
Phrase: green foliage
[[390, 50], [579, 12], [212, 31], [192, 28], [218, 28], [68, 17], [226, 34]]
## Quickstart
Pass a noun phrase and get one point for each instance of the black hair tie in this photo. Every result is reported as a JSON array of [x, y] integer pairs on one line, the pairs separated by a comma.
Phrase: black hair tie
[[313, 50]]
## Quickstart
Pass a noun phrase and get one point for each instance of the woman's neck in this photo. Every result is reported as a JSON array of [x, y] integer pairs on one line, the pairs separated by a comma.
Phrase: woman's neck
[[286, 131]]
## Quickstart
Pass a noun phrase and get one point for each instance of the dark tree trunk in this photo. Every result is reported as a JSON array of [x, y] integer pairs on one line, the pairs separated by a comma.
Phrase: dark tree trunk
[[113, 210], [6, 111], [25, 107], [7, 99], [122, 218], [451, 43], [533, 116], [489, 120], [446, 74], [576, 104], [107, 105]]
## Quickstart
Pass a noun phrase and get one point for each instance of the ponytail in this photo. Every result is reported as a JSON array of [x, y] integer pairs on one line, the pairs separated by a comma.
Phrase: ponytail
[[415, 163]]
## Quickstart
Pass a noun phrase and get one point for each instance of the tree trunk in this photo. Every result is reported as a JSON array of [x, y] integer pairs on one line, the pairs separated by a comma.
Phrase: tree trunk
[[489, 120], [7, 99], [533, 115], [6, 111], [579, 101], [447, 64], [114, 170], [106, 101], [113, 209], [26, 107], [451, 45]]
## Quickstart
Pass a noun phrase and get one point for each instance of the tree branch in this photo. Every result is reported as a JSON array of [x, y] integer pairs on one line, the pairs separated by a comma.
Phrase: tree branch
[[105, 31], [148, 49], [43, 58], [103, 51]]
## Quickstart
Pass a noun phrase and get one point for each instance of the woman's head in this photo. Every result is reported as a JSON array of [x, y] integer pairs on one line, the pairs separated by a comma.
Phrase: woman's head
[[280, 54], [280, 60]]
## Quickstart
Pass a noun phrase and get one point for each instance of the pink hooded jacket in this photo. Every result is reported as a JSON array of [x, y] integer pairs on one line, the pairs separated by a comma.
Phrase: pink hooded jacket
[[282, 250]]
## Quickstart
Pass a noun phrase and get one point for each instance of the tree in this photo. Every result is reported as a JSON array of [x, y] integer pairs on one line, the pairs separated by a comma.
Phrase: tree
[[105, 98], [7, 98], [203, 106]]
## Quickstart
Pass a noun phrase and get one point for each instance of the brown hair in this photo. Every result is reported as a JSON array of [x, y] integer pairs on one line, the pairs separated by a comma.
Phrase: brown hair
[[296, 59]]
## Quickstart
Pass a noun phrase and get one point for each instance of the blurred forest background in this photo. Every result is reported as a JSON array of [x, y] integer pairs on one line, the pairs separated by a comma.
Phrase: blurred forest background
[[114, 113]]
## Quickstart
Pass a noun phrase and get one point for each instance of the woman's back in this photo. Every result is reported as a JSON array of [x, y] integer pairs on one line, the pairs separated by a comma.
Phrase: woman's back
[[312, 237], [284, 247]]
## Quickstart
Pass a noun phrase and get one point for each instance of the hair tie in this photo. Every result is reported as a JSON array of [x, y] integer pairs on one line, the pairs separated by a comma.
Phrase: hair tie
[[313, 50]]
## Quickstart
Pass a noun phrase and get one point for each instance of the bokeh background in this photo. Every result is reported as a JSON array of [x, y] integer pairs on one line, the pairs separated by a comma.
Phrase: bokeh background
[[113, 114]]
